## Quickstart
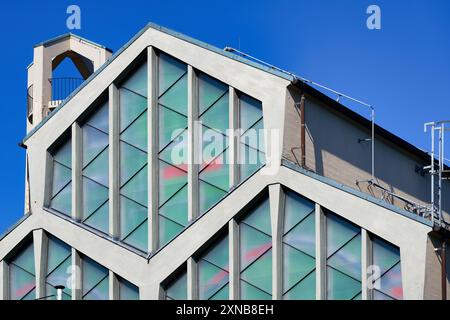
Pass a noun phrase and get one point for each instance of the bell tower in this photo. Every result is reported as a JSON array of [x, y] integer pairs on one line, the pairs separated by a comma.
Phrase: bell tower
[[45, 93]]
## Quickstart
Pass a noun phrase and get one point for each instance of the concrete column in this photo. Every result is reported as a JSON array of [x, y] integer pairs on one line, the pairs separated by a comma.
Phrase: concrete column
[[4, 283], [114, 169], [40, 261], [113, 286], [193, 145], [152, 292], [192, 279], [152, 149], [321, 254], [77, 164], [234, 264], [233, 137], [76, 275], [366, 261], [48, 179], [276, 197]]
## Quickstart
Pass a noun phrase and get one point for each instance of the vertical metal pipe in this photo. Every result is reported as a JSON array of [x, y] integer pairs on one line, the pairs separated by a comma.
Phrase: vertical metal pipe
[[372, 116], [303, 131], [444, 269], [432, 173]]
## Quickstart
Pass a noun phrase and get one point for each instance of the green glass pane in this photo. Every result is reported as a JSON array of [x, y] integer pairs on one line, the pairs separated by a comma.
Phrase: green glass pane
[[296, 208], [131, 161], [340, 286], [217, 116], [171, 124], [259, 217], [21, 282], [137, 82], [60, 275], [171, 179], [99, 292], [348, 258], [296, 265], [99, 219], [94, 195], [259, 273], [100, 118], [168, 230], [254, 136], [94, 141], [61, 176], [208, 196], [339, 231], [213, 145], [131, 106], [211, 279], [304, 290], [127, 290], [136, 133], [391, 283], [169, 71], [250, 161], [177, 290], [218, 254], [303, 236], [250, 111], [358, 297], [25, 259], [131, 215], [139, 237], [62, 202], [92, 274], [58, 251], [176, 97], [64, 154], [385, 255], [217, 172], [30, 295], [175, 152], [97, 170], [209, 90], [176, 208], [249, 292], [222, 294], [136, 187], [252, 244]]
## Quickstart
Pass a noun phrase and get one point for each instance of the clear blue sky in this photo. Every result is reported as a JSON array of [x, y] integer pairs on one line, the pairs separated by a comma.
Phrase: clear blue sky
[[403, 69]]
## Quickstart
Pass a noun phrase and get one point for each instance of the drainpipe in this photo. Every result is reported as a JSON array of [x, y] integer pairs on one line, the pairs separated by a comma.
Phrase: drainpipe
[[444, 269], [303, 131]]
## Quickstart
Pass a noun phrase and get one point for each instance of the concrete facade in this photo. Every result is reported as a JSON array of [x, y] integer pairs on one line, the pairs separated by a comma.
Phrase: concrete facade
[[336, 161]]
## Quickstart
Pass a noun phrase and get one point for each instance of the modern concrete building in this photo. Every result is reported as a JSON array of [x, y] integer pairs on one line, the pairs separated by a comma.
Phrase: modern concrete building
[[177, 170]]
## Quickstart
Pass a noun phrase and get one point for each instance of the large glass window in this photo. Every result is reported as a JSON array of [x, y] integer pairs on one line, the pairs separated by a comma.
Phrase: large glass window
[[299, 263], [127, 290], [95, 148], [133, 160], [177, 288], [256, 253], [214, 180], [61, 190], [95, 280], [22, 276], [213, 272], [57, 268], [343, 259], [252, 138], [386, 258], [172, 125]]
